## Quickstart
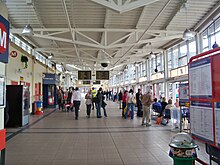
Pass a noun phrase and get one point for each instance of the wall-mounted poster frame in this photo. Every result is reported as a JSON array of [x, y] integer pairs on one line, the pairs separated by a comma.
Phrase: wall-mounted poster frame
[[2, 91], [204, 92]]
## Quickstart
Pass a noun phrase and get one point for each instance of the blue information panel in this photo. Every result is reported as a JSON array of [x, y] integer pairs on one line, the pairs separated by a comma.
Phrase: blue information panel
[[201, 120], [200, 79]]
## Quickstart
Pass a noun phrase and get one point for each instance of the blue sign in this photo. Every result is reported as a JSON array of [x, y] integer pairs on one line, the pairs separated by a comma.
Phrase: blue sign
[[4, 39], [201, 104], [49, 78], [200, 63]]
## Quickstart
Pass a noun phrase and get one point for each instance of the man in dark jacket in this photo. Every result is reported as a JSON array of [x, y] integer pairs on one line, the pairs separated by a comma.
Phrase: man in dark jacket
[[139, 105], [120, 99], [99, 103]]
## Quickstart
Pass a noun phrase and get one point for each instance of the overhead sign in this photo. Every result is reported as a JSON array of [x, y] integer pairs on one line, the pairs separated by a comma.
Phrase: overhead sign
[[102, 75], [4, 39], [49, 78], [84, 75]]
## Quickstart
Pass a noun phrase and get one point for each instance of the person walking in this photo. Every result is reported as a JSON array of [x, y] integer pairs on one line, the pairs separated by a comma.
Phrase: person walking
[[138, 97], [99, 103], [130, 104], [60, 98], [146, 101], [120, 99], [103, 105], [93, 98], [76, 102], [88, 98], [124, 102]]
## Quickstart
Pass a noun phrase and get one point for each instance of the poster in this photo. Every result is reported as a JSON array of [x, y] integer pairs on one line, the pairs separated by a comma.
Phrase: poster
[[201, 120], [183, 94], [217, 123], [2, 91], [200, 80]]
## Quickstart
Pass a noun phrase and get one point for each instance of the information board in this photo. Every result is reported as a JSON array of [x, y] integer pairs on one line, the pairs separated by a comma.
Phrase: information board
[[183, 94], [2, 91], [102, 75], [201, 121], [97, 82], [86, 82], [200, 79], [84, 75], [217, 123]]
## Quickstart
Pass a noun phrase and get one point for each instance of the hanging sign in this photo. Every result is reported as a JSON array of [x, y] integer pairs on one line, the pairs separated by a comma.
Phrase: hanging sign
[[4, 39]]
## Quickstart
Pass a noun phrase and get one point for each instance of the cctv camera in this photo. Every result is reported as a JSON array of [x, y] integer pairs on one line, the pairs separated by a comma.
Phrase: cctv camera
[[104, 63]]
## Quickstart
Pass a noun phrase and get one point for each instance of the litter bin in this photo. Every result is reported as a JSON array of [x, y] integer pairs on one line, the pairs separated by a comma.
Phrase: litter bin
[[39, 108], [183, 149]]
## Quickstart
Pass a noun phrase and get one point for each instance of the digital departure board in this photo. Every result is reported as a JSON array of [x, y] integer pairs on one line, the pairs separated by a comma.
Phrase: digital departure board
[[102, 75], [84, 75]]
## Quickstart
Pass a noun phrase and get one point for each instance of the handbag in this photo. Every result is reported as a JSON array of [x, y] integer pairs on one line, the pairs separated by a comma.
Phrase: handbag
[[133, 100]]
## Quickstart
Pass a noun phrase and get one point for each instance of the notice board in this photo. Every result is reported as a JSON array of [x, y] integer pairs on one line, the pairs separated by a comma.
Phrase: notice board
[[204, 89]]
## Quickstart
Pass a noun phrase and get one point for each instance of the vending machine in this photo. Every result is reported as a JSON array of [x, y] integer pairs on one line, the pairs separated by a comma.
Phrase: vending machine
[[18, 99]]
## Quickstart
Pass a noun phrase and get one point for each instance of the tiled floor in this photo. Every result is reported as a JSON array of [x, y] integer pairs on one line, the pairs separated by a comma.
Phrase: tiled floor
[[58, 139]]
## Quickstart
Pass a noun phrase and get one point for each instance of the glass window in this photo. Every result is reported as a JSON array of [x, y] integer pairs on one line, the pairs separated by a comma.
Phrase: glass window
[[183, 61], [162, 63], [144, 69], [183, 50], [205, 42], [158, 63], [175, 57], [169, 54], [192, 48]]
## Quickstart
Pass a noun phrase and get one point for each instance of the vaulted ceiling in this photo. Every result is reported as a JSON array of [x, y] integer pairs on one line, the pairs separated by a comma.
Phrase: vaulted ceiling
[[84, 33]]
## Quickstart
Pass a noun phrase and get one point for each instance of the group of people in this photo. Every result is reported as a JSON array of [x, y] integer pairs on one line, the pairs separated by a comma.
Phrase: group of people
[[144, 102], [127, 101], [71, 99], [163, 108], [95, 100]]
